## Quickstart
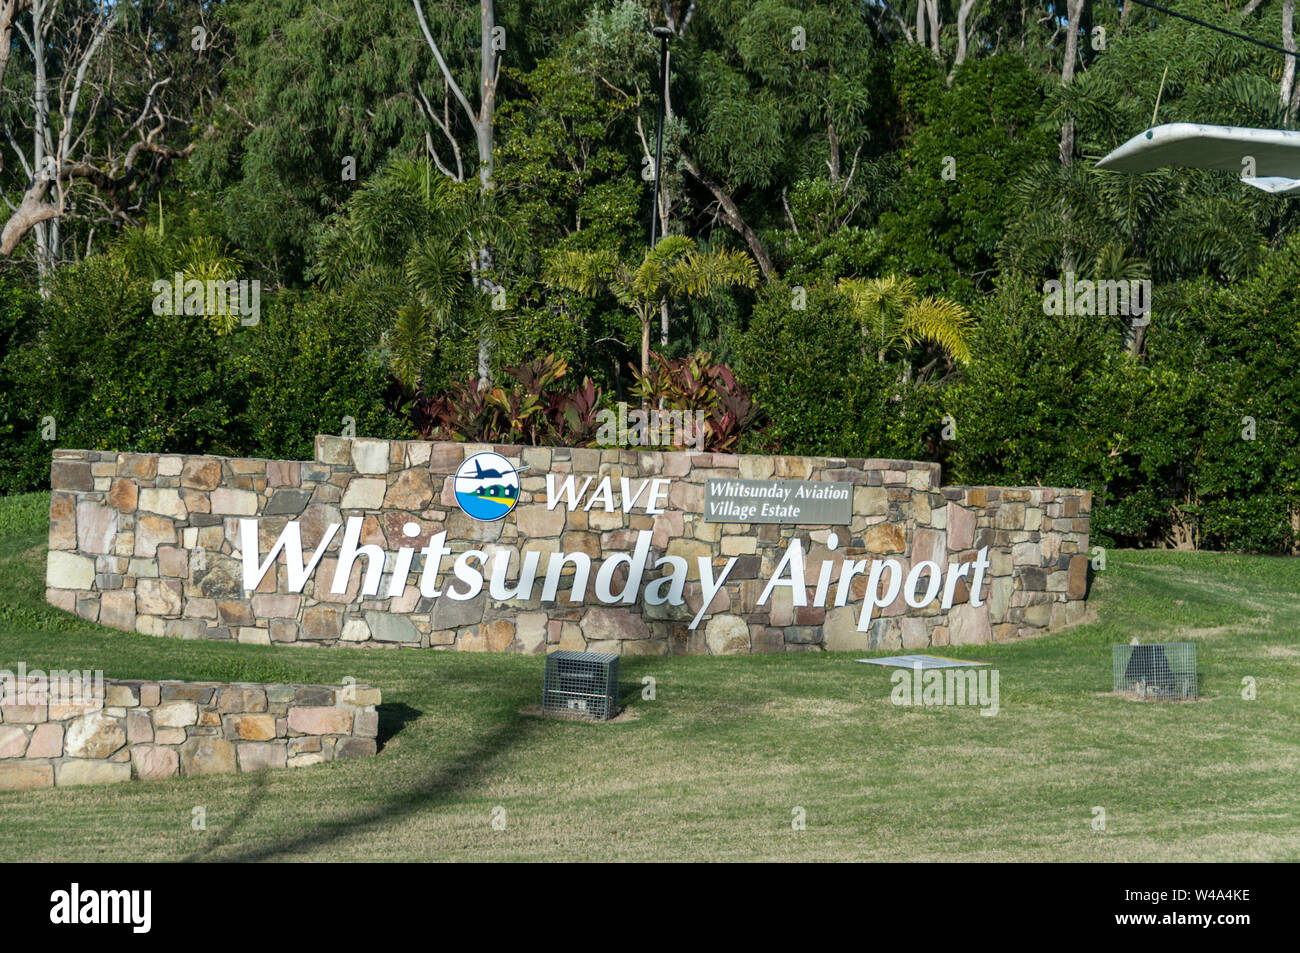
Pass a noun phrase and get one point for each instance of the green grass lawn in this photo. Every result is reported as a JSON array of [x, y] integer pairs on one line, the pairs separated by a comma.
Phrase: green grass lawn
[[714, 766]]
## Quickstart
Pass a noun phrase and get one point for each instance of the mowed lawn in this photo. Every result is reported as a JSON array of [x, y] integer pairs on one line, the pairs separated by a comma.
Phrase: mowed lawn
[[714, 766]]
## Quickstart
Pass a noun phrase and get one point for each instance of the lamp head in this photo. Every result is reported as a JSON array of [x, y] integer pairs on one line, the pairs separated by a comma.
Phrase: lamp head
[[662, 32]]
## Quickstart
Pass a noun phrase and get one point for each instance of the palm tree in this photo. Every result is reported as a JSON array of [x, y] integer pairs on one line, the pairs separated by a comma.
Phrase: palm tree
[[150, 250], [414, 239], [674, 268], [1113, 263], [894, 319]]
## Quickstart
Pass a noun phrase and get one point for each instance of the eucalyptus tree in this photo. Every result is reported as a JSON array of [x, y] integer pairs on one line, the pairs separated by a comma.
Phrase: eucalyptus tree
[[98, 101], [481, 118], [774, 94], [491, 42], [321, 97], [1287, 92], [969, 146], [1179, 223]]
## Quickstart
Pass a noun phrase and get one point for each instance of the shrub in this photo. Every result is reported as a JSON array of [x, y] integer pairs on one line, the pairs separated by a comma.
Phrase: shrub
[[309, 364], [114, 375], [1160, 442], [821, 396], [527, 405], [1242, 343], [24, 454], [697, 384]]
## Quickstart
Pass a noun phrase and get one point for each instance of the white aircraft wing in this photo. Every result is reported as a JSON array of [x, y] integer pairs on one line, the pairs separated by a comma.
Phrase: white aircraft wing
[[1276, 184], [1276, 153]]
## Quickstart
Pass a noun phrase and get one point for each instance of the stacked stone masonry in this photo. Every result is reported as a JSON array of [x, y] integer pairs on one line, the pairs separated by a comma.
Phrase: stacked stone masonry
[[124, 730], [151, 543]]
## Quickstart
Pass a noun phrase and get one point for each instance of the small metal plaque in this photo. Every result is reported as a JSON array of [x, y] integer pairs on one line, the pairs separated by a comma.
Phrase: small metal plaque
[[778, 501]]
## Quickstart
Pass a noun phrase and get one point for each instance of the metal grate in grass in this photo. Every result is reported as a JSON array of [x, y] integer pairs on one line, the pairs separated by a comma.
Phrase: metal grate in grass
[[581, 685], [1156, 670]]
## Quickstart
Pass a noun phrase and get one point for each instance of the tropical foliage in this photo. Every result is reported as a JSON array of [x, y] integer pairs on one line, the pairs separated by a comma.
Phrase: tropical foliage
[[675, 268], [895, 319], [860, 207]]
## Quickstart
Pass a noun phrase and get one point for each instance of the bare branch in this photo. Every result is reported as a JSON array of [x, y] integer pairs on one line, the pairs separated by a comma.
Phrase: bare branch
[[9, 9], [70, 113], [22, 156], [907, 30], [731, 215], [789, 215], [428, 109], [442, 64], [30, 212]]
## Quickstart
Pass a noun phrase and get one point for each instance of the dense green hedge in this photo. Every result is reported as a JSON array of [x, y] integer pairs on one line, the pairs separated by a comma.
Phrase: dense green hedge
[[113, 375], [822, 389], [1059, 401], [310, 364], [1161, 442], [1050, 400]]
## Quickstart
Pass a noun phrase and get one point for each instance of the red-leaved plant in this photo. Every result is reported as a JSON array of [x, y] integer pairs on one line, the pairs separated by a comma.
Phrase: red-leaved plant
[[527, 406], [696, 383]]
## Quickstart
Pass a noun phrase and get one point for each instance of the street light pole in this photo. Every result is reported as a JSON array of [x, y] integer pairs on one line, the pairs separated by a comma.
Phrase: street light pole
[[664, 34]]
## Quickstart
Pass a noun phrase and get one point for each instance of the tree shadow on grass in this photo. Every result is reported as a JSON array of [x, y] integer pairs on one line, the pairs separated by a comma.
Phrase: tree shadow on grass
[[457, 775], [249, 808], [392, 719]]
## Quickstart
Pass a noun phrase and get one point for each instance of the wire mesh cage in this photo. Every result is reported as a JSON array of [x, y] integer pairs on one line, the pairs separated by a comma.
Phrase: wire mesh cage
[[1156, 670], [581, 685]]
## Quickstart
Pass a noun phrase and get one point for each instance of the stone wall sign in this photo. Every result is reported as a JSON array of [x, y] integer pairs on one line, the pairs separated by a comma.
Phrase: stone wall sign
[[478, 547], [796, 502]]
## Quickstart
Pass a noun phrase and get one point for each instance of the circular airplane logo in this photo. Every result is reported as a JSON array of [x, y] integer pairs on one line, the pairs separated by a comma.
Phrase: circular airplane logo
[[487, 486]]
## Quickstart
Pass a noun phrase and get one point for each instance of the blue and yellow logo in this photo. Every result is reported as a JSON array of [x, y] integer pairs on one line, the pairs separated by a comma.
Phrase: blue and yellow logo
[[487, 486]]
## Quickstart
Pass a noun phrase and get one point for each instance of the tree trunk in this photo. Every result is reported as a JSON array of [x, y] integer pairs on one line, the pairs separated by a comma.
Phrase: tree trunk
[[731, 215], [665, 202], [645, 341], [480, 267], [933, 7], [482, 122], [483, 133], [484, 358], [8, 10], [1075, 14], [1139, 338], [483, 125], [1288, 43], [43, 164], [833, 143], [963, 40], [1066, 151]]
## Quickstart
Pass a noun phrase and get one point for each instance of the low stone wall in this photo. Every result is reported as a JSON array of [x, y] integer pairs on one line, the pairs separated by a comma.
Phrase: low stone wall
[[122, 730], [153, 543]]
